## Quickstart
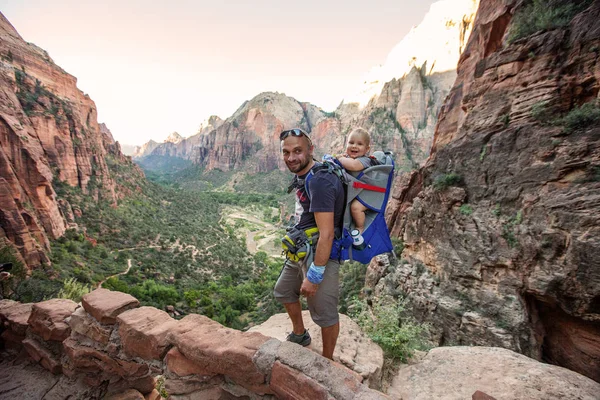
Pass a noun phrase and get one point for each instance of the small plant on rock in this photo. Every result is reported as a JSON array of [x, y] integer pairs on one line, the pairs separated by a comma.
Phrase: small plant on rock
[[443, 182], [581, 117], [388, 326], [466, 209]]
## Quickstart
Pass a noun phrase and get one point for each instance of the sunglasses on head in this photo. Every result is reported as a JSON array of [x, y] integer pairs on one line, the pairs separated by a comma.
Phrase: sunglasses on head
[[294, 132]]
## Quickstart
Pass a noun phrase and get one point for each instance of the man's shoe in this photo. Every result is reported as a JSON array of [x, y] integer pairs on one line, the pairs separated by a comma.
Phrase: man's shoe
[[302, 340]]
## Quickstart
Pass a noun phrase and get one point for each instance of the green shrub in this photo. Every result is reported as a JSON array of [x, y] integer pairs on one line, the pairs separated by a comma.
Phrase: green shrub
[[581, 117], [482, 153], [540, 112], [388, 326], [466, 209], [443, 182], [398, 245], [539, 15], [73, 290]]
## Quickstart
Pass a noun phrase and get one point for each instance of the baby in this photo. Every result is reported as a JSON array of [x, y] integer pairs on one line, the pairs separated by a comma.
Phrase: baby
[[356, 159]]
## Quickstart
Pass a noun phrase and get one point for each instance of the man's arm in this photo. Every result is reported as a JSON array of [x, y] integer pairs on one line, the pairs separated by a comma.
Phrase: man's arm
[[324, 222]]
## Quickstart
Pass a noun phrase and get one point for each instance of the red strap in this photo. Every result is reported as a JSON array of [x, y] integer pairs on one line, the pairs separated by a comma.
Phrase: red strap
[[360, 185]]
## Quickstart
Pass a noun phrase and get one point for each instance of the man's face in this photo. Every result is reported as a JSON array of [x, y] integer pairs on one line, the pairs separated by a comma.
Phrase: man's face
[[297, 154]]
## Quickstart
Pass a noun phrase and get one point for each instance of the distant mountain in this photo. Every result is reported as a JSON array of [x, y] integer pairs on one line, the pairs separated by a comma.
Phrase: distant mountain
[[400, 112]]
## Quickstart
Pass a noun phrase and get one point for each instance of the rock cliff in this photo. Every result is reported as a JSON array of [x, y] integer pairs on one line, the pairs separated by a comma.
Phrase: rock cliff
[[501, 227], [49, 134]]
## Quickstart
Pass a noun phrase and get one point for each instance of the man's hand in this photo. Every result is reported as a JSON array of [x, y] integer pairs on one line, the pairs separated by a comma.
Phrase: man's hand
[[4, 276], [308, 289]]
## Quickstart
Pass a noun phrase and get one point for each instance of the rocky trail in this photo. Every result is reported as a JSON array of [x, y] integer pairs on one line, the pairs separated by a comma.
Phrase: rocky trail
[[115, 275], [260, 236]]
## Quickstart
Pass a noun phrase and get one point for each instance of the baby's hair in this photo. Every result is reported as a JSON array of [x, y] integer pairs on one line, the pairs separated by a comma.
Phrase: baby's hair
[[363, 133]]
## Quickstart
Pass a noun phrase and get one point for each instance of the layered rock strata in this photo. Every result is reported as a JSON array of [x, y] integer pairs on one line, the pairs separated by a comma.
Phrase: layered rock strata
[[49, 134], [501, 226], [115, 346]]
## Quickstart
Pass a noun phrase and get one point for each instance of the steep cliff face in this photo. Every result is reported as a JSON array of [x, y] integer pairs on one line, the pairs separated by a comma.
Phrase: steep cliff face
[[48, 133], [502, 226]]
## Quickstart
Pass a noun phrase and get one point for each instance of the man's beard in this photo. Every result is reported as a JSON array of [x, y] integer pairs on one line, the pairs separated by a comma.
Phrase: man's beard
[[298, 167]]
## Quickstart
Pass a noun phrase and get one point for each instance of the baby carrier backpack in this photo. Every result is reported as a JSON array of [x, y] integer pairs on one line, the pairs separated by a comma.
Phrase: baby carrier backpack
[[372, 187]]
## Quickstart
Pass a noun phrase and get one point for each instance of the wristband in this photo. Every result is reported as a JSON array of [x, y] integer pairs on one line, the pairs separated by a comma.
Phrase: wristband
[[315, 274]]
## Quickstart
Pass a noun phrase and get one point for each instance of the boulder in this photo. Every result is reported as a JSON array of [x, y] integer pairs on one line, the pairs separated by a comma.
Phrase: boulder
[[144, 331], [130, 394], [87, 359], [190, 384], [354, 349], [222, 350], [288, 383], [47, 318], [180, 365], [41, 354], [84, 324], [106, 305], [339, 381], [459, 372], [15, 316]]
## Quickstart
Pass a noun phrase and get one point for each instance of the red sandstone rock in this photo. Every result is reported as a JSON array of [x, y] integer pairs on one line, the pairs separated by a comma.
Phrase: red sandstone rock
[[84, 324], [47, 318], [144, 332], [213, 393], [479, 395], [219, 349], [144, 385], [153, 395], [130, 394], [42, 355], [106, 305], [290, 384], [191, 384], [87, 359], [180, 365], [15, 316], [59, 139], [12, 340]]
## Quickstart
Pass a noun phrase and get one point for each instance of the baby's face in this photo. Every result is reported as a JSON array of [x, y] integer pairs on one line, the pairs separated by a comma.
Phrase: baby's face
[[357, 146]]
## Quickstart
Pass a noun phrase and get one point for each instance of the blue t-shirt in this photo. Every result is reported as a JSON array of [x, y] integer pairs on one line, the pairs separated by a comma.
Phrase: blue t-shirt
[[327, 194]]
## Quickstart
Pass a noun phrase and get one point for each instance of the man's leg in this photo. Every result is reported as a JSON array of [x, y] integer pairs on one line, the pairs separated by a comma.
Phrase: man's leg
[[294, 310], [330, 335], [287, 292], [324, 308]]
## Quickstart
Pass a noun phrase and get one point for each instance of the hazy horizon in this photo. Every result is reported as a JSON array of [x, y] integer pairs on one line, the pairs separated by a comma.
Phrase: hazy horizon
[[153, 68]]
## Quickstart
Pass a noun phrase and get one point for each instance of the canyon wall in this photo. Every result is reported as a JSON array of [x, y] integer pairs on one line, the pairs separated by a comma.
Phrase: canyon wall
[[49, 135], [501, 227]]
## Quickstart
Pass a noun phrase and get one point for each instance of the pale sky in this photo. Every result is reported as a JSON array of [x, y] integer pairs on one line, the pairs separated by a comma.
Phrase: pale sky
[[155, 67]]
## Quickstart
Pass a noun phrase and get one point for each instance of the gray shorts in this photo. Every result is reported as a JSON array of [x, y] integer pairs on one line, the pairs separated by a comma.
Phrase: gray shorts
[[323, 306]]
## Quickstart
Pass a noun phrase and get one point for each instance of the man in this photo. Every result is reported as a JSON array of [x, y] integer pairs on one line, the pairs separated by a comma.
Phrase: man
[[324, 210]]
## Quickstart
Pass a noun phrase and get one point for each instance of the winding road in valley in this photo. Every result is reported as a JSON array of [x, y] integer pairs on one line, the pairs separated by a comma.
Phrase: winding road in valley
[[120, 273]]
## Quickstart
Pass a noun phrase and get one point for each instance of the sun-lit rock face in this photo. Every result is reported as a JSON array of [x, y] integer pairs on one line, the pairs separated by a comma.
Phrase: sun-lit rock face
[[174, 138], [438, 41], [49, 133]]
